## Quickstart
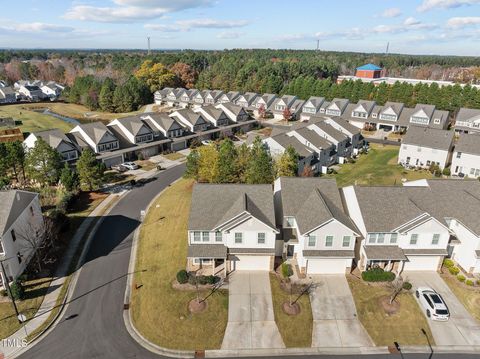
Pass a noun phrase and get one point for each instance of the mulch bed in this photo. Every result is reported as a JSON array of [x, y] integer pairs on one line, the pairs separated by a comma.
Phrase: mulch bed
[[190, 287], [291, 309], [197, 306], [389, 309]]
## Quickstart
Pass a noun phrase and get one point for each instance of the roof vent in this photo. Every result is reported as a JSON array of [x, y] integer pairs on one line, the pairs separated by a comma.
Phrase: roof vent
[[18, 196]]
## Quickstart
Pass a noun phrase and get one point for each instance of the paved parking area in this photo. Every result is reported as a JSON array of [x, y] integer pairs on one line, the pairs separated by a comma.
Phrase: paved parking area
[[251, 322], [462, 328], [335, 322]]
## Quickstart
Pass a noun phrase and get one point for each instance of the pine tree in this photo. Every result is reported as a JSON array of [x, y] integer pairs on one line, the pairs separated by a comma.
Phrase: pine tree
[[260, 167], [90, 171], [106, 95], [68, 178], [287, 164], [192, 165], [227, 157], [243, 159], [43, 163]]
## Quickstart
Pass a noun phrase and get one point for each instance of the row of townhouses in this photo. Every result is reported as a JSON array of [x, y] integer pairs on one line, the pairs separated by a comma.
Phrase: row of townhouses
[[393, 116], [326, 230], [147, 134], [423, 147], [24, 90]]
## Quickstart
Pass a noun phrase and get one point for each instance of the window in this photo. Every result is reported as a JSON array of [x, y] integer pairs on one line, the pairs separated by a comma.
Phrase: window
[[238, 237], [381, 238], [372, 238], [346, 241], [459, 154], [218, 236], [312, 241], [436, 238], [290, 221], [196, 236], [472, 172], [328, 241], [413, 239], [393, 238], [261, 238], [205, 236], [2, 251], [14, 236], [436, 121]]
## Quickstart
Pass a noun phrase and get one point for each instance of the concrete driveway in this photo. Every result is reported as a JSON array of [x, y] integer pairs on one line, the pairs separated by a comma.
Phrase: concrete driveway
[[335, 322], [251, 322], [462, 328]]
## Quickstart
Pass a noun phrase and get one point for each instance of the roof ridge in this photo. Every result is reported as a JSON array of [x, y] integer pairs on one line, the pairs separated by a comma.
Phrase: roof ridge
[[319, 193]]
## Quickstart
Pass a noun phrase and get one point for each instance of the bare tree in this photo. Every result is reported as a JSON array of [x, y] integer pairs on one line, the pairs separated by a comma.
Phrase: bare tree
[[396, 286]]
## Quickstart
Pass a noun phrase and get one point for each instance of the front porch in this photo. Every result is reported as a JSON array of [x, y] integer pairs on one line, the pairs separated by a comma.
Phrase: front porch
[[208, 259], [389, 258]]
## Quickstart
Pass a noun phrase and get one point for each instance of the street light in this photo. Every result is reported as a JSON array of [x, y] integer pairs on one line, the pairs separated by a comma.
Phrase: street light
[[428, 341], [7, 286], [397, 346]]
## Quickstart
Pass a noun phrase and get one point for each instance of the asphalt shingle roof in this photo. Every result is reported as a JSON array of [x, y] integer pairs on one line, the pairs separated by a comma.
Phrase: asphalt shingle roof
[[468, 143], [12, 204], [429, 137]]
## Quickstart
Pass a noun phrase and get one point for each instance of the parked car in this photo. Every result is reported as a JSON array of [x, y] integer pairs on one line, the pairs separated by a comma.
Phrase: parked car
[[433, 303], [206, 142], [130, 165], [119, 168]]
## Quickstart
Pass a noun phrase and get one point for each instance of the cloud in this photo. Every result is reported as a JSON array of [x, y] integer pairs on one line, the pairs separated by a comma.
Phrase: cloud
[[229, 35], [461, 22], [187, 25], [391, 12], [409, 24], [35, 27], [445, 4], [354, 33], [132, 10]]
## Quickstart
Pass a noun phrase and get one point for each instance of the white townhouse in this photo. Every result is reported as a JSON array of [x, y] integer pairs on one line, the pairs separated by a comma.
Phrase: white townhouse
[[353, 133], [172, 96], [32, 93], [20, 218], [185, 97], [339, 139], [424, 146], [281, 104], [230, 96], [311, 107], [264, 101], [334, 108], [162, 124], [468, 120], [235, 113], [317, 233], [132, 128], [363, 109], [160, 96], [212, 97], [426, 115], [216, 116], [199, 98], [399, 230], [466, 156], [191, 120], [246, 100], [56, 139], [234, 232]]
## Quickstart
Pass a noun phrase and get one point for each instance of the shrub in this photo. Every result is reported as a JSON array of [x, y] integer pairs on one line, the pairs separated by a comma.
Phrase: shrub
[[448, 263], [469, 282], [287, 270], [377, 275], [407, 285], [3, 293], [461, 277], [454, 270], [202, 280], [478, 282], [17, 290], [212, 279], [446, 171], [140, 156], [182, 276], [191, 278]]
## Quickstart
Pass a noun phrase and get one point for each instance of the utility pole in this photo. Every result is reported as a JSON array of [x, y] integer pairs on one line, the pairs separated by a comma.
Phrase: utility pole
[[388, 45], [318, 44], [148, 41], [9, 291]]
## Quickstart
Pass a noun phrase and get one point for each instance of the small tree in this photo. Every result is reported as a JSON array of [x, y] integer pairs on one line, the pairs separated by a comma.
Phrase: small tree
[[68, 178], [287, 115], [227, 156], [396, 286], [262, 112], [287, 165], [90, 171], [192, 165], [307, 171], [17, 290], [260, 166], [43, 163], [208, 164]]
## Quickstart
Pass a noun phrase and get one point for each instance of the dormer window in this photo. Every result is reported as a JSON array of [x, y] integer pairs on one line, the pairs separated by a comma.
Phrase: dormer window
[[420, 120], [436, 121]]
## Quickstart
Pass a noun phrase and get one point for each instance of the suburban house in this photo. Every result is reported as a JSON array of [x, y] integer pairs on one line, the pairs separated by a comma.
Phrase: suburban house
[[239, 232], [427, 115], [193, 121], [186, 97], [51, 91], [235, 113], [425, 146], [32, 93], [199, 98], [339, 139], [363, 109], [264, 101], [230, 96], [281, 104], [20, 218], [56, 139], [334, 108], [467, 120], [213, 96], [162, 124], [311, 107], [96, 136], [7, 95], [400, 233], [216, 116], [246, 100], [354, 133], [317, 234], [132, 129], [466, 156], [160, 96]]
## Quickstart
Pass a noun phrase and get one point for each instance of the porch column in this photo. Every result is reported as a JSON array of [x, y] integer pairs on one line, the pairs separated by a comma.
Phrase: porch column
[[225, 267], [213, 266], [402, 264], [390, 265]]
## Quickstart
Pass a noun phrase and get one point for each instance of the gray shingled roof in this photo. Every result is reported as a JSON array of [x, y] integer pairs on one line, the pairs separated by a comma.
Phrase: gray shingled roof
[[54, 138], [213, 111], [95, 130], [133, 124], [381, 252], [207, 251], [314, 138], [232, 250], [366, 105], [468, 143], [192, 117], [162, 120], [12, 204], [397, 107], [284, 140], [212, 202], [329, 130], [329, 253], [429, 137], [347, 126], [425, 252], [237, 110], [316, 101], [468, 114]]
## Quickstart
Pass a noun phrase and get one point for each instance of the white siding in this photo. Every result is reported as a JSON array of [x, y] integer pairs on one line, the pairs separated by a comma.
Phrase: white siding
[[419, 156], [464, 253], [465, 164]]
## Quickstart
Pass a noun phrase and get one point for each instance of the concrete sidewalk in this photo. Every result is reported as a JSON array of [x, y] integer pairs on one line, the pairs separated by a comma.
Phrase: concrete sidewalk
[[12, 344]]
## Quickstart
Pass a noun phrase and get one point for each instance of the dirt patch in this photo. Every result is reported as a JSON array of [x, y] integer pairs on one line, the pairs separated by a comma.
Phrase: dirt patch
[[197, 306], [293, 309], [187, 287], [389, 309]]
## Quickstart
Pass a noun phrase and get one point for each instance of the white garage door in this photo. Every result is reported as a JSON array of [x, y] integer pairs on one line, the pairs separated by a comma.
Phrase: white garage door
[[422, 263], [326, 266], [251, 263]]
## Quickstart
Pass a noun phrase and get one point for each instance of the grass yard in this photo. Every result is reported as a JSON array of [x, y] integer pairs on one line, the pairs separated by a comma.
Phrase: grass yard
[[34, 293], [146, 165], [469, 297], [378, 167], [160, 312], [174, 156], [296, 330], [403, 327]]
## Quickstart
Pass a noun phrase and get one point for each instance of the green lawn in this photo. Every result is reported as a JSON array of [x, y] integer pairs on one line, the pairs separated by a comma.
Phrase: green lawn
[[296, 331], [378, 167], [403, 327], [160, 312], [468, 296]]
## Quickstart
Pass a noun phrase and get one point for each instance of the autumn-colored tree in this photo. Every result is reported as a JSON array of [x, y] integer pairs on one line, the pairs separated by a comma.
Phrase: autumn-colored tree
[[185, 74], [307, 171], [208, 164], [262, 112], [287, 115], [155, 75], [287, 164]]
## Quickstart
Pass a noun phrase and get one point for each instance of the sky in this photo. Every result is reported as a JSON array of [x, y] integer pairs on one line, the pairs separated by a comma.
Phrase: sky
[[442, 27]]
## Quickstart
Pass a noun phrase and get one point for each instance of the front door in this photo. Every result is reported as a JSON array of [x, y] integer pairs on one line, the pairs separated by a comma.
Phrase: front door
[[290, 251]]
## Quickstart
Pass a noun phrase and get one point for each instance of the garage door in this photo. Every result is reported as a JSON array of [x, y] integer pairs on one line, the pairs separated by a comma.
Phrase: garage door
[[326, 266], [112, 161], [251, 263], [422, 263]]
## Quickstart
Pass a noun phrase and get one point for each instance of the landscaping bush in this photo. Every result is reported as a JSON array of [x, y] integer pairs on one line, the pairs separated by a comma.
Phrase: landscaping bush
[[212, 279], [461, 277], [454, 270], [377, 275], [407, 285], [469, 282], [446, 171], [202, 280], [17, 290], [448, 263], [3, 293], [287, 270], [191, 278], [182, 276]]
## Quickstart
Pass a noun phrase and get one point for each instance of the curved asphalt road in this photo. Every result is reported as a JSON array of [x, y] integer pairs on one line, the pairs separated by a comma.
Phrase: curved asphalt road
[[92, 326]]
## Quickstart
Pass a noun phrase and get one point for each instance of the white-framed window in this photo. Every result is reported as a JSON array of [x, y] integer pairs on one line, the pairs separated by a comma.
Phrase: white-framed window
[[238, 237], [2, 251], [459, 154], [312, 240], [381, 238], [413, 239], [393, 238], [436, 239], [346, 241], [196, 236], [218, 237], [290, 221], [472, 172], [261, 238], [205, 236], [436, 121], [372, 238], [328, 241]]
